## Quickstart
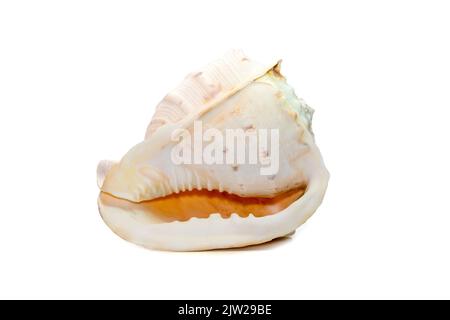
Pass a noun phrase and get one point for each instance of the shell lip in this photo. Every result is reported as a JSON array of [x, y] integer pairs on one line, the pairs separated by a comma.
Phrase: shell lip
[[216, 232]]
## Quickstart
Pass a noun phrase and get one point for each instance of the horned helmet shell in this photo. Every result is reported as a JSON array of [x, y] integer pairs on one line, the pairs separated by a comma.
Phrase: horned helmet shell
[[264, 176]]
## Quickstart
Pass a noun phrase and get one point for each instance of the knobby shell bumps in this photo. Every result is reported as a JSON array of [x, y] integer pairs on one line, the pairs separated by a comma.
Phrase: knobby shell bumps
[[152, 200]]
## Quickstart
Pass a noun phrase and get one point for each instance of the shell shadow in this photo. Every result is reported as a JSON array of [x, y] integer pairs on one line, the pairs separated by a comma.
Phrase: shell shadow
[[270, 245]]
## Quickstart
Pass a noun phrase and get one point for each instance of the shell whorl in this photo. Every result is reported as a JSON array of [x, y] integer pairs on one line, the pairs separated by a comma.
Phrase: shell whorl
[[202, 89]]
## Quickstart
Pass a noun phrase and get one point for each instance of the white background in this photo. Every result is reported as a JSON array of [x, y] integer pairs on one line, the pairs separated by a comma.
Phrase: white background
[[79, 81]]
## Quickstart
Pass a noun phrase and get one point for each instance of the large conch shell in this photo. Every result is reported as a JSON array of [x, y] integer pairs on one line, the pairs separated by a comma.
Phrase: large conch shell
[[150, 200]]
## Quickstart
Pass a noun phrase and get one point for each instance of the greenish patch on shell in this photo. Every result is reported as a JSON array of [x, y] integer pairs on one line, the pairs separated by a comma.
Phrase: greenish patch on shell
[[296, 104]]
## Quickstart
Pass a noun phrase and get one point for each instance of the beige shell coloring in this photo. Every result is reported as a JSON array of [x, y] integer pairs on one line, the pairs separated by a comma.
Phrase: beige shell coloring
[[228, 160]]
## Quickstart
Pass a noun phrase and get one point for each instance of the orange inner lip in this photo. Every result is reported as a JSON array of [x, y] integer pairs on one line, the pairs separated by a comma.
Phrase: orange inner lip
[[201, 204]]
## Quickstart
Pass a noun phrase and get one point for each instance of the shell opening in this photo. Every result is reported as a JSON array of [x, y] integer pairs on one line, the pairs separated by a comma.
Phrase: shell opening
[[202, 204]]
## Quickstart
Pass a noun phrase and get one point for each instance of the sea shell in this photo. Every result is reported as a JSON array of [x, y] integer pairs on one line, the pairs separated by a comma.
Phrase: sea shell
[[149, 199]]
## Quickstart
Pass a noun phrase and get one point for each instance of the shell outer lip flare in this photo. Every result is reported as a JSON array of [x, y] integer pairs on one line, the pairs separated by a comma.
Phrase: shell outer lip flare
[[144, 173]]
